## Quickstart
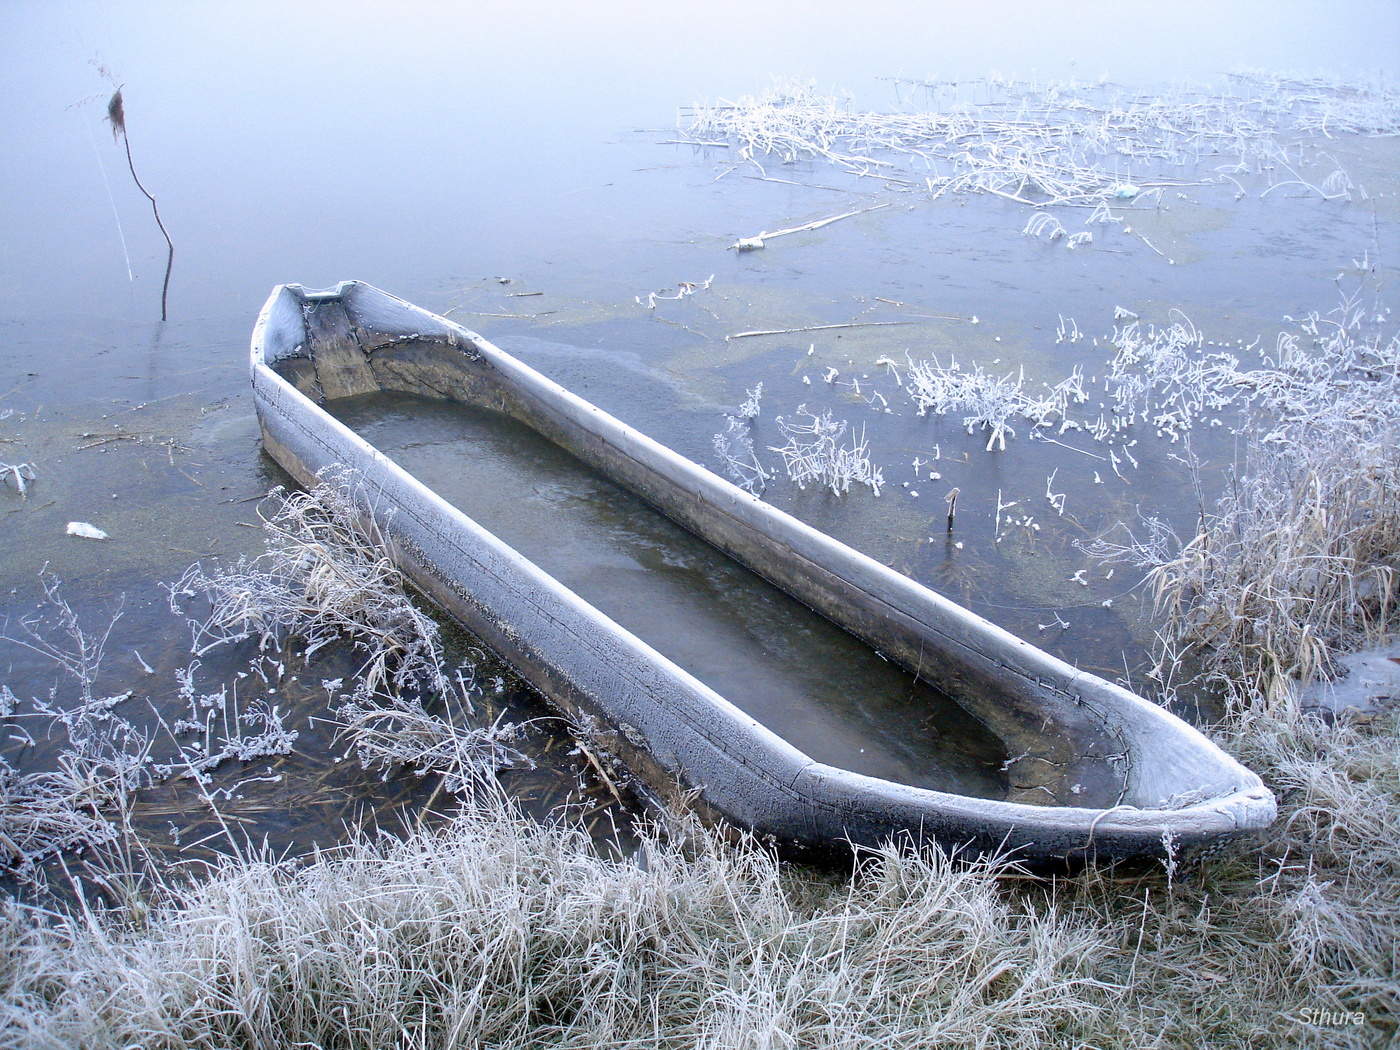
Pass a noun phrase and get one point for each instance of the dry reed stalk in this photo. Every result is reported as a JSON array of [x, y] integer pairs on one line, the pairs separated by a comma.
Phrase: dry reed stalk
[[116, 116]]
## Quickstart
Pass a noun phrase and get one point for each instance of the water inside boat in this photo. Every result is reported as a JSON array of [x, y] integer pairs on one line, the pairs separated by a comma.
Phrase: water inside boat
[[788, 667]]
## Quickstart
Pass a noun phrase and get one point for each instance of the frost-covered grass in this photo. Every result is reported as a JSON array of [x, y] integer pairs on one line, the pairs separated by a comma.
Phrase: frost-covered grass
[[826, 452], [1298, 561], [734, 446], [395, 732], [500, 931], [986, 401], [325, 576], [78, 801]]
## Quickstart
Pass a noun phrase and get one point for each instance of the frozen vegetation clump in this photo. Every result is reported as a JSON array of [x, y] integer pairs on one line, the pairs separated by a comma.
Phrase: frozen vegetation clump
[[395, 731], [815, 454], [1160, 375], [218, 726], [1155, 542], [734, 446], [325, 576], [81, 798], [752, 405], [1046, 144], [985, 400], [1298, 560], [101, 756]]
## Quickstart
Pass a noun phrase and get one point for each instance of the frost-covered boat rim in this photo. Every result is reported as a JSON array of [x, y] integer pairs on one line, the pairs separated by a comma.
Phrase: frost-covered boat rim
[[1179, 789]]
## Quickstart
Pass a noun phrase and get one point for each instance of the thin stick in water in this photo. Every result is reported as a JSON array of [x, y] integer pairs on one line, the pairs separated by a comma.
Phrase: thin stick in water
[[813, 328], [116, 116], [757, 241]]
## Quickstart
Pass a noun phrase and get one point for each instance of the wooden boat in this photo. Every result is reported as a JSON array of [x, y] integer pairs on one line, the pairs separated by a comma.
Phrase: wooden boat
[[1176, 789]]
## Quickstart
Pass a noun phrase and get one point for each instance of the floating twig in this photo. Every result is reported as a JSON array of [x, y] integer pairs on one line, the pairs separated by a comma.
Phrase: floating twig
[[748, 244]]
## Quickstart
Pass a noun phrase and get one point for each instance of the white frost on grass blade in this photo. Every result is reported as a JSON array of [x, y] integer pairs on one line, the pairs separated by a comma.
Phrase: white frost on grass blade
[[734, 446], [684, 289], [1044, 224], [985, 400], [752, 405], [391, 732]]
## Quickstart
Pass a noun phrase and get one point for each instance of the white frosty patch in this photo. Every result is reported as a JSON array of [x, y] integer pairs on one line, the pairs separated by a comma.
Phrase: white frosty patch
[[85, 530]]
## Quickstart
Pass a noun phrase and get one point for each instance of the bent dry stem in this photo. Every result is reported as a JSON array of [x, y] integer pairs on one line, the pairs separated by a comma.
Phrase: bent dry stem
[[116, 116]]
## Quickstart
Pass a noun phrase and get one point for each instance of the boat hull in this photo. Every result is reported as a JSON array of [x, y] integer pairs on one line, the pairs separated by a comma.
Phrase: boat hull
[[672, 731]]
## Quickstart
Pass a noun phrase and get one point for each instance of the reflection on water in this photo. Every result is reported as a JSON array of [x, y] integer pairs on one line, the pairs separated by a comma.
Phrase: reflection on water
[[822, 689]]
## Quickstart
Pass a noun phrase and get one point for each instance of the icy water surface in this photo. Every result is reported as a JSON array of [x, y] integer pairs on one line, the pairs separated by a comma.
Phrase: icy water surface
[[798, 674]]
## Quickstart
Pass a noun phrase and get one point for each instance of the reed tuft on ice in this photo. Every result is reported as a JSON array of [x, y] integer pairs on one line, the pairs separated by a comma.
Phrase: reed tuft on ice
[[819, 452]]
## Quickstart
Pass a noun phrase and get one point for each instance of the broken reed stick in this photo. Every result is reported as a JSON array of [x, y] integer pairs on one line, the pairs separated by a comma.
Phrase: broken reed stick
[[813, 328], [791, 182], [746, 244], [931, 317], [952, 500], [116, 116], [598, 768]]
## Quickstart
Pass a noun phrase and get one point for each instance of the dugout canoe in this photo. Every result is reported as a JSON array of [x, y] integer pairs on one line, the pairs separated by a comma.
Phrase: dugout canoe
[[1178, 790]]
